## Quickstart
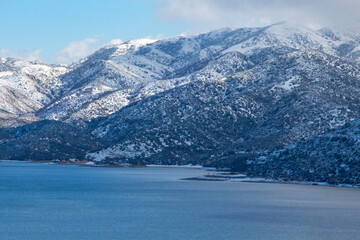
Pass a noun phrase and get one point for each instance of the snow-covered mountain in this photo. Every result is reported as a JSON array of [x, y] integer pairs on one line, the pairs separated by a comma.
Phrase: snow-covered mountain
[[277, 103], [209, 99], [120, 74], [26, 87], [332, 157]]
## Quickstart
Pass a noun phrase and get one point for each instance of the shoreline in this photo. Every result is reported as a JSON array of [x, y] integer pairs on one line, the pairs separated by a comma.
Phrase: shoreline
[[221, 176], [124, 165], [266, 180]]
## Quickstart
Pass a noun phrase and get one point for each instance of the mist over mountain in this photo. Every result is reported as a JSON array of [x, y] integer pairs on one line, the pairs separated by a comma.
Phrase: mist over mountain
[[273, 96]]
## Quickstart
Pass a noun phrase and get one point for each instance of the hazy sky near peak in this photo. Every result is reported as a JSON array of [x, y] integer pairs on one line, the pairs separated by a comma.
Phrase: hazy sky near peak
[[64, 31], [221, 13]]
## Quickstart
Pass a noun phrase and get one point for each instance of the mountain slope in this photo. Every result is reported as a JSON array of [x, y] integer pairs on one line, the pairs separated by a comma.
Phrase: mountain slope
[[26, 87], [274, 104], [332, 157], [120, 74], [129, 72], [46, 140]]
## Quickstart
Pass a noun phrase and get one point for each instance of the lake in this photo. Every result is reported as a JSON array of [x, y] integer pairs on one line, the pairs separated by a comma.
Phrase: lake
[[43, 201]]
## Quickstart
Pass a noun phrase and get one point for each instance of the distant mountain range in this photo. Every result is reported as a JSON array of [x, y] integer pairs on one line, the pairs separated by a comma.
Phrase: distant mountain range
[[277, 97]]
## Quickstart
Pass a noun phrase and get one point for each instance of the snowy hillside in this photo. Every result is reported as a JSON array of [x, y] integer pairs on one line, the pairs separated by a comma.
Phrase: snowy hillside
[[279, 102], [123, 73], [332, 157], [25, 87]]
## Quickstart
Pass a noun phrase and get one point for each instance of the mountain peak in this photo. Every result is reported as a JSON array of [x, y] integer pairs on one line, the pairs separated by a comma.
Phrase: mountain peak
[[130, 46], [141, 41]]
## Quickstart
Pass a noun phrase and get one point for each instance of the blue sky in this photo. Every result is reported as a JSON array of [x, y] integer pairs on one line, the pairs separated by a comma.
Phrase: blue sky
[[63, 31], [42, 28]]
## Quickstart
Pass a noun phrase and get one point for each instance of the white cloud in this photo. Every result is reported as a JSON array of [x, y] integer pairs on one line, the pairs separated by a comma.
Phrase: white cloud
[[116, 41], [220, 13], [35, 55], [77, 50], [22, 54], [4, 52]]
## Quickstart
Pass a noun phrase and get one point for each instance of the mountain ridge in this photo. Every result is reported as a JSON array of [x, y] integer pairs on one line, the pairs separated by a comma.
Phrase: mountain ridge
[[210, 99]]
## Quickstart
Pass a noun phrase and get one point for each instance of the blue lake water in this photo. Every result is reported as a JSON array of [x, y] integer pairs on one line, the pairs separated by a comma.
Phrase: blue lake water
[[42, 201]]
